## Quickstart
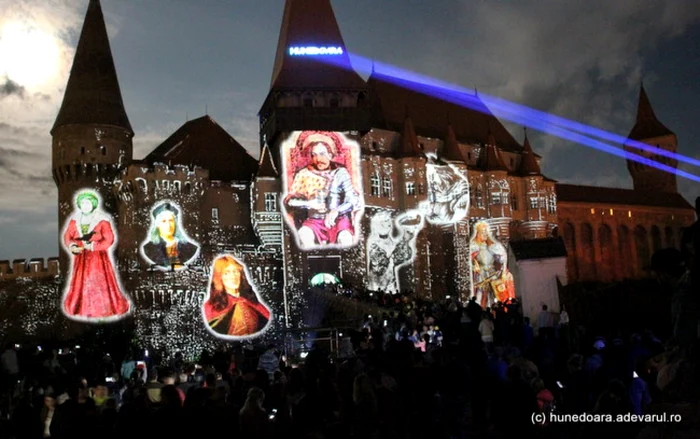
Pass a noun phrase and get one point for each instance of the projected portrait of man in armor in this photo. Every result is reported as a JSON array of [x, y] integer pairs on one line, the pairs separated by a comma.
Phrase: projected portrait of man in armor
[[390, 245], [323, 200], [448, 193], [168, 247], [491, 279]]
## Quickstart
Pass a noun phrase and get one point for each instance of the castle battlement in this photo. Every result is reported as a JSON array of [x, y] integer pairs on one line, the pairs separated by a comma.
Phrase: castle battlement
[[165, 171], [32, 268]]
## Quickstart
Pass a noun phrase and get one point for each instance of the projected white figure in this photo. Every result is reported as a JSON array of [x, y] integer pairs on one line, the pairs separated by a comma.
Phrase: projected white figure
[[492, 281], [94, 292], [448, 193], [323, 201], [391, 245]]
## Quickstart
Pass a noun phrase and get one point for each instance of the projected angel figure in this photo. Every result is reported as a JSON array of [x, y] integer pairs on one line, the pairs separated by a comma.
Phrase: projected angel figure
[[390, 245], [233, 308], [94, 292], [168, 247], [323, 200], [492, 281], [448, 193]]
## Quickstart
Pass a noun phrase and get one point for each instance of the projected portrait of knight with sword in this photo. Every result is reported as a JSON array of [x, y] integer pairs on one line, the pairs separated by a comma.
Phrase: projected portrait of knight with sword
[[492, 281]]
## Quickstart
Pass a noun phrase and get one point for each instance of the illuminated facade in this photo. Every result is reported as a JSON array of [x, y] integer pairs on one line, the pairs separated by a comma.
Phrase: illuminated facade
[[366, 181]]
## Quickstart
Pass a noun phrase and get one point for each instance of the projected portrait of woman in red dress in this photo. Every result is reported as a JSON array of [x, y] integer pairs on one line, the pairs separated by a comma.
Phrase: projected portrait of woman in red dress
[[94, 292], [233, 309]]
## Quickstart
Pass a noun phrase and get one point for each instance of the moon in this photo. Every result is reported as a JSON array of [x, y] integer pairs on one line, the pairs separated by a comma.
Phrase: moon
[[28, 55]]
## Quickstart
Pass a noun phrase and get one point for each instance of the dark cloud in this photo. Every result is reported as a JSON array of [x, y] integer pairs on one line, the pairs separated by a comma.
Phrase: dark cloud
[[10, 87]]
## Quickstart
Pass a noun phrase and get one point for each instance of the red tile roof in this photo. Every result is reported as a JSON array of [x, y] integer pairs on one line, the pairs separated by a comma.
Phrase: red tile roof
[[204, 143], [606, 195], [432, 115]]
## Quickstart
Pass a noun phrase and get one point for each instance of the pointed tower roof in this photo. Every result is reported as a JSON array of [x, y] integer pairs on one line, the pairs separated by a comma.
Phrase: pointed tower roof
[[266, 167], [528, 161], [451, 150], [491, 159], [409, 140], [647, 125], [92, 95], [312, 23], [204, 143]]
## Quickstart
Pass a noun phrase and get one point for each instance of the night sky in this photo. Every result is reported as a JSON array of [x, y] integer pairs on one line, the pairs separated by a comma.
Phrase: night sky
[[177, 59]]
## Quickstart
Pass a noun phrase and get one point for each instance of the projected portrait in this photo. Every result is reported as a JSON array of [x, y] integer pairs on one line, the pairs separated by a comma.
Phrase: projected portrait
[[391, 244], [323, 202], [94, 292], [232, 308], [448, 193], [491, 279], [168, 247]]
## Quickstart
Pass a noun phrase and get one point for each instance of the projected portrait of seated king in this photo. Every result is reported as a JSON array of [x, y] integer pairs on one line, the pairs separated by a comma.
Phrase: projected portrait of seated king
[[323, 201], [168, 247]]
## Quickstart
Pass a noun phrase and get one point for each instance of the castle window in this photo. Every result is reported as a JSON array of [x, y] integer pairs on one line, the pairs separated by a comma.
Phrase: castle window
[[166, 185], [88, 170], [215, 214], [82, 150], [479, 197], [592, 211], [142, 184], [496, 198], [188, 187], [410, 188], [553, 203], [469, 156], [421, 146], [373, 147], [534, 202], [78, 170], [308, 101], [611, 212], [513, 202], [629, 214], [386, 187], [374, 185], [103, 150], [512, 163], [270, 202], [177, 185]]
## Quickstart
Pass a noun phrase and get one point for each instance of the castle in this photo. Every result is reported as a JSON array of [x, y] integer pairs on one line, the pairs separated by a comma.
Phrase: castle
[[230, 203]]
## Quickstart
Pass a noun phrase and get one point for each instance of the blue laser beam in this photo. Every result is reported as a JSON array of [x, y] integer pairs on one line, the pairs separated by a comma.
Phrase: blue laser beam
[[512, 111]]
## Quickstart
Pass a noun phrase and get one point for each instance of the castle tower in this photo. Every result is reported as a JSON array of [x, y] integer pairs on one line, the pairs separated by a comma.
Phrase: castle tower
[[536, 198], [92, 136], [267, 217], [313, 86], [648, 129]]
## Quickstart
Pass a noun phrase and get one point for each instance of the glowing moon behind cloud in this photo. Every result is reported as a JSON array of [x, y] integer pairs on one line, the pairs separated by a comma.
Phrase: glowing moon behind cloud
[[28, 56]]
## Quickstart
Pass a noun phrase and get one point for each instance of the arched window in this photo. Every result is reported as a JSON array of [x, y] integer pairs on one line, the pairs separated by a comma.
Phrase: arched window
[[607, 258], [642, 243], [570, 243], [375, 185], [624, 246], [655, 239], [670, 237], [587, 269]]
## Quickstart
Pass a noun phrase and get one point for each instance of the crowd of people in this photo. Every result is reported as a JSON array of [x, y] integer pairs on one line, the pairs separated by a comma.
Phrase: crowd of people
[[421, 369]]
